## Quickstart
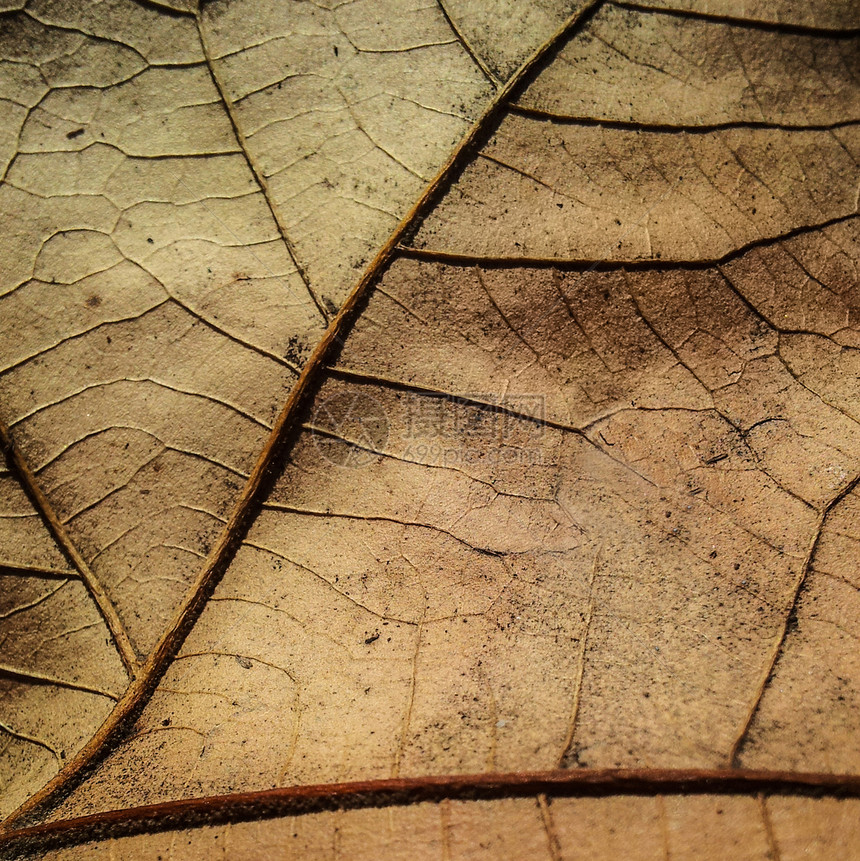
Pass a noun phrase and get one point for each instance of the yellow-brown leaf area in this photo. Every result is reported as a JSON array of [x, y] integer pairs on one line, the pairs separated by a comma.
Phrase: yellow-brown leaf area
[[581, 486]]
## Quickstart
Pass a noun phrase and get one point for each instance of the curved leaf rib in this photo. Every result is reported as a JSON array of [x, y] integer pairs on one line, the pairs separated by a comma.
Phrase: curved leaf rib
[[396, 792]]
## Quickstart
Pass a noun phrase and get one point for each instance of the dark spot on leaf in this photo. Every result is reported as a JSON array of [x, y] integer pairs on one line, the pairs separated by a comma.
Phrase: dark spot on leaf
[[295, 350]]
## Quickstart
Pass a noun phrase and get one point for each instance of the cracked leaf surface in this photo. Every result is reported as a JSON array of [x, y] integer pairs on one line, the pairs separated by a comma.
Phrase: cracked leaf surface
[[697, 73], [57, 657], [570, 485], [155, 314], [349, 109]]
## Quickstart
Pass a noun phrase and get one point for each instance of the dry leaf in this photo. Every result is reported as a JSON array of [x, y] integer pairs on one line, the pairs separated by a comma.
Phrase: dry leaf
[[432, 429]]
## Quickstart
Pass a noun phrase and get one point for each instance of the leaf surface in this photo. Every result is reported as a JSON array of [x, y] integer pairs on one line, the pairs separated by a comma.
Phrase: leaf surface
[[581, 828], [155, 313], [567, 488], [57, 654]]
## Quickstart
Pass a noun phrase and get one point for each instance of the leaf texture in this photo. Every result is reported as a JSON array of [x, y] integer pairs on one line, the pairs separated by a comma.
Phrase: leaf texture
[[582, 828], [151, 162], [348, 112], [568, 486], [57, 654]]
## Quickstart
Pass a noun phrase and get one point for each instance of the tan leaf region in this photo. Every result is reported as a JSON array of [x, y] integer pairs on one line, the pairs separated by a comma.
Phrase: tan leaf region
[[570, 484]]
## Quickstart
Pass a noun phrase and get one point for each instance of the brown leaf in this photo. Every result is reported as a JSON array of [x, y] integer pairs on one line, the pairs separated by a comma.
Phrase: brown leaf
[[546, 538]]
